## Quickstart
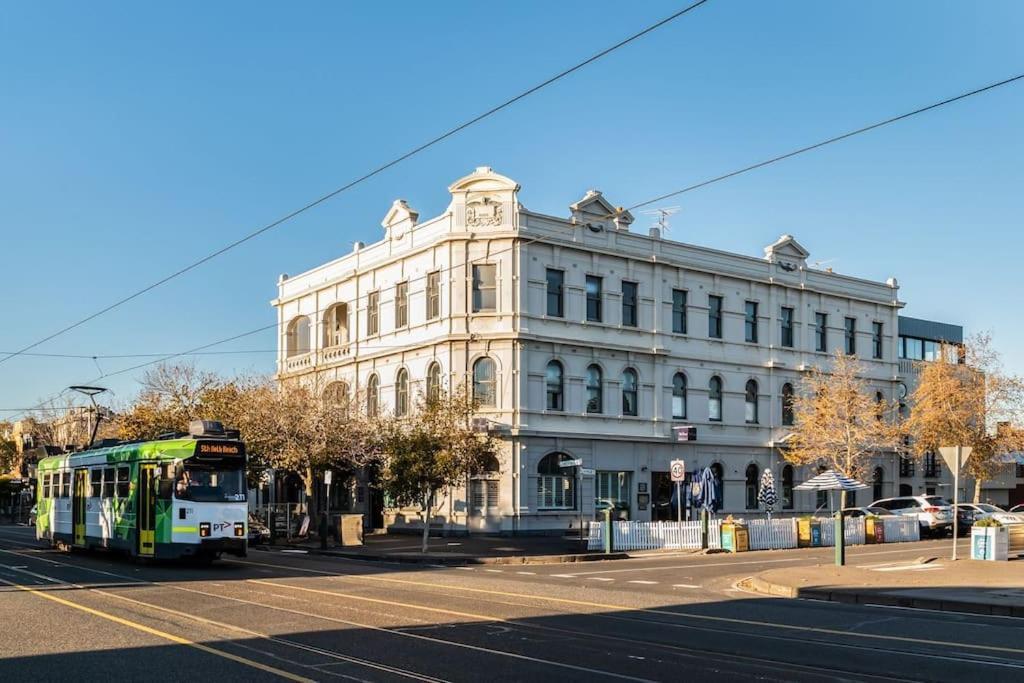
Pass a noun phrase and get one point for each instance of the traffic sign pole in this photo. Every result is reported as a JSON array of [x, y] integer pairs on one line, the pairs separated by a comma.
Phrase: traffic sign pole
[[955, 456], [677, 468]]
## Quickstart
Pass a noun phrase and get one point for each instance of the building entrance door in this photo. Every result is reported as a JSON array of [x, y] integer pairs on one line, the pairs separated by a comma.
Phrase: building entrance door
[[484, 510], [661, 497]]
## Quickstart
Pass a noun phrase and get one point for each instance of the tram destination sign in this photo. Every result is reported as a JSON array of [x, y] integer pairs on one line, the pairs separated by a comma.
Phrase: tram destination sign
[[220, 449]]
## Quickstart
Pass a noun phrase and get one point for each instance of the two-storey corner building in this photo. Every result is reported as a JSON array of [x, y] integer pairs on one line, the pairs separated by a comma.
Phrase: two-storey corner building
[[584, 341]]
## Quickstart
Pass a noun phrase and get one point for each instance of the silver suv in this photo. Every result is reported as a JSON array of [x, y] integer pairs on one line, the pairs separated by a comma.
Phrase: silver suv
[[933, 512]]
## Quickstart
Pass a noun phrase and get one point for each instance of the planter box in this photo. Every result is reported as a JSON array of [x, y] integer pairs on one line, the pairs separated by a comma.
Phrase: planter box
[[989, 543]]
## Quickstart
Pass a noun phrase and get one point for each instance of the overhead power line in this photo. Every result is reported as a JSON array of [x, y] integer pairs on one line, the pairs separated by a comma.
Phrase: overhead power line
[[361, 179]]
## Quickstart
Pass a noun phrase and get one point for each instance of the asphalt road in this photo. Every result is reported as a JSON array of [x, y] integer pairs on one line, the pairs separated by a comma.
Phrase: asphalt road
[[294, 616]]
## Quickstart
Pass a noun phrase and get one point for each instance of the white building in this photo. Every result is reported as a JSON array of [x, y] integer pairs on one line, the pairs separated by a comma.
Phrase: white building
[[585, 341]]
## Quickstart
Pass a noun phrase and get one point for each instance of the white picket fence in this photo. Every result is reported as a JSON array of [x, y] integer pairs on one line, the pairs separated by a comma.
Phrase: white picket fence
[[764, 534]]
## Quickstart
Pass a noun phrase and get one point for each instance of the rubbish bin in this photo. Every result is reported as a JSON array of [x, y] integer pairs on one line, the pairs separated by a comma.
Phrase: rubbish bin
[[808, 533], [989, 542], [735, 537], [874, 529], [350, 529]]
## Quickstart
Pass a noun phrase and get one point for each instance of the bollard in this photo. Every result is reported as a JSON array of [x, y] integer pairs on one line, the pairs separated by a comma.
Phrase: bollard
[[704, 529], [839, 540], [608, 531]]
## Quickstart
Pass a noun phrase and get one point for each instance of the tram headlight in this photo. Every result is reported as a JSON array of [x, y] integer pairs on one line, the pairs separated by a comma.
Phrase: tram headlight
[[204, 529], [239, 529]]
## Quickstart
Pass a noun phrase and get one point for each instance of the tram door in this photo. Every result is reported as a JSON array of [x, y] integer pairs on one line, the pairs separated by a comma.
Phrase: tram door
[[79, 493], [147, 509]]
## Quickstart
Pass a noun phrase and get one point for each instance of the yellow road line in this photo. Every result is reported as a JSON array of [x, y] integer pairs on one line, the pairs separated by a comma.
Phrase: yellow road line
[[161, 634], [663, 612]]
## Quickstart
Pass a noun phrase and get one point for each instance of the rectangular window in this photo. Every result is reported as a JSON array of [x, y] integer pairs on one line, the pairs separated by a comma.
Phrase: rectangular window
[[401, 304], [932, 350], [821, 332], [786, 338], [714, 316], [876, 340], [433, 295], [95, 483], [556, 279], [750, 322], [593, 299], [629, 302], [556, 492], [45, 486], [372, 313], [108, 482], [913, 348], [485, 290], [123, 482], [679, 311], [850, 327], [613, 491]]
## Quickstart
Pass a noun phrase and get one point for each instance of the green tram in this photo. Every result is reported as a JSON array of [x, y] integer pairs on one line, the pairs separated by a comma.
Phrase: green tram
[[180, 496]]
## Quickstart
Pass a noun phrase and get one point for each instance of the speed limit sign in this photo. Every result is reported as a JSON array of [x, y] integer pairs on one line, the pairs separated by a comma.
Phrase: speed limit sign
[[678, 469]]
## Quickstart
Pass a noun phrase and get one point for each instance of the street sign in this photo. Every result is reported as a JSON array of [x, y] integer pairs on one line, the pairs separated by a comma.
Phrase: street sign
[[948, 454], [587, 472], [571, 463], [678, 470], [327, 477]]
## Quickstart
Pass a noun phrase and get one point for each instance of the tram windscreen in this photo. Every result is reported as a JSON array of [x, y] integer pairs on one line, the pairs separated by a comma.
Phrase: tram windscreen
[[210, 482]]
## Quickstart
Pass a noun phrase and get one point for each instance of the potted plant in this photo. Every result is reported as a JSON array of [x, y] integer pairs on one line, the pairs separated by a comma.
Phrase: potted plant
[[989, 540]]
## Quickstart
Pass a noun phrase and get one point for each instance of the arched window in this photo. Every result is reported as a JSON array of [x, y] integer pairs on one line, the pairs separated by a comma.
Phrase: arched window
[[484, 489], [715, 399], [822, 500], [336, 394], [787, 404], [595, 404], [719, 474], [434, 381], [402, 393], [553, 380], [679, 396], [751, 402], [484, 385], [556, 486], [297, 342], [629, 399], [336, 326], [787, 487], [373, 395], [906, 490], [752, 483], [878, 483]]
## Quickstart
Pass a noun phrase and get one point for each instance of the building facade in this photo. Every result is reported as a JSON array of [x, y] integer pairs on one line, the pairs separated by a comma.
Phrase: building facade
[[586, 341]]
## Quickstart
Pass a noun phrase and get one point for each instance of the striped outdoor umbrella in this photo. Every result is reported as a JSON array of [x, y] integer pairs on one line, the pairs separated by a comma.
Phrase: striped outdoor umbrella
[[830, 481], [766, 495]]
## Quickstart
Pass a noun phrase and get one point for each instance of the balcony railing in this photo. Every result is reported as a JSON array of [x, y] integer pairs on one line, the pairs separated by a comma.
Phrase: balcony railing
[[298, 362], [907, 366], [335, 353]]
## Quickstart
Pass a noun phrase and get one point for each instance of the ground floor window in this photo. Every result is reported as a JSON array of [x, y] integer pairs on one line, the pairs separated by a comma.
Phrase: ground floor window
[[556, 485], [613, 490], [483, 494]]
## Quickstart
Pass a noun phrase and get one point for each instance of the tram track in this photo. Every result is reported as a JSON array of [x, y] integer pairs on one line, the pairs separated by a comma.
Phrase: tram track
[[778, 667]]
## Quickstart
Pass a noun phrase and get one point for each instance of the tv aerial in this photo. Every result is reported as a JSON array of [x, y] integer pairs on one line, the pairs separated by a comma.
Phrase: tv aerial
[[663, 215]]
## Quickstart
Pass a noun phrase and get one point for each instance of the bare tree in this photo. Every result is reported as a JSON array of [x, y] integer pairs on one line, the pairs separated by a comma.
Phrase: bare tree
[[962, 399]]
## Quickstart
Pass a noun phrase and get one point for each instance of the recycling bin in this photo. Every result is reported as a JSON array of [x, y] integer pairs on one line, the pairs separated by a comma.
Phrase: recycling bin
[[735, 537]]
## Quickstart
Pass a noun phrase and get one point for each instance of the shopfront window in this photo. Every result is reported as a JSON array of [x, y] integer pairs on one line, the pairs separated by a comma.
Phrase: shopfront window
[[613, 490]]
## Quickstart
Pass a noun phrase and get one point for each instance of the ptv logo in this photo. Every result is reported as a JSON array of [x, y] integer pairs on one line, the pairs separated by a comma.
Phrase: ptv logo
[[221, 526]]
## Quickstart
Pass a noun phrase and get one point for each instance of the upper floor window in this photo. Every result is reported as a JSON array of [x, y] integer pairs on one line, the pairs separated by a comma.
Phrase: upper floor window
[[679, 396], [750, 403], [594, 388], [373, 395], [553, 381], [401, 304], [433, 295], [629, 304], [594, 298], [297, 341], [714, 316], [556, 280], [373, 313], [679, 311], [484, 383], [336, 326], [336, 396], [821, 332], [787, 405], [876, 340], [629, 395], [434, 381], [786, 329], [850, 331], [715, 399], [750, 322], [485, 289], [402, 393]]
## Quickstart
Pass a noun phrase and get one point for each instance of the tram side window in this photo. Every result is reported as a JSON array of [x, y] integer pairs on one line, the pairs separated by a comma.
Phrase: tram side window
[[65, 484], [123, 482], [108, 482], [95, 483], [46, 486]]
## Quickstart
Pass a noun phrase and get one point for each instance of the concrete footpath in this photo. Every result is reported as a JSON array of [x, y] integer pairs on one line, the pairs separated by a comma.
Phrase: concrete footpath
[[979, 587], [455, 550]]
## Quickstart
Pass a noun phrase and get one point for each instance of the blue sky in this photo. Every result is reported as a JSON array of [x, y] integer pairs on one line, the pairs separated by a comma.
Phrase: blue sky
[[135, 138]]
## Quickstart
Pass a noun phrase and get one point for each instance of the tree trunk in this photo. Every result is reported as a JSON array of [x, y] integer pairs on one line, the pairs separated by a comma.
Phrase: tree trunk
[[428, 504], [977, 489], [308, 482]]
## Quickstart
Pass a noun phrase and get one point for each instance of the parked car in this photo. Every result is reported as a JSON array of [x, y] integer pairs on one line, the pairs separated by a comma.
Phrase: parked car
[[867, 510], [976, 511], [933, 512], [1017, 508], [258, 531]]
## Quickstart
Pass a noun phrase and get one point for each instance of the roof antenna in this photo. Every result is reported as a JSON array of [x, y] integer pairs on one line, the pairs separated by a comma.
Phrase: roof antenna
[[91, 393], [663, 214]]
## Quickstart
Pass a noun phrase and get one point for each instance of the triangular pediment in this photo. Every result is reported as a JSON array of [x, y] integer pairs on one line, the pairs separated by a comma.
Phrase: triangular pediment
[[593, 207], [786, 250]]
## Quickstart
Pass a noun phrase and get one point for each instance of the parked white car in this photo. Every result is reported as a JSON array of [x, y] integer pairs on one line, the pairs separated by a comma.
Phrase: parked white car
[[933, 512], [986, 510]]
